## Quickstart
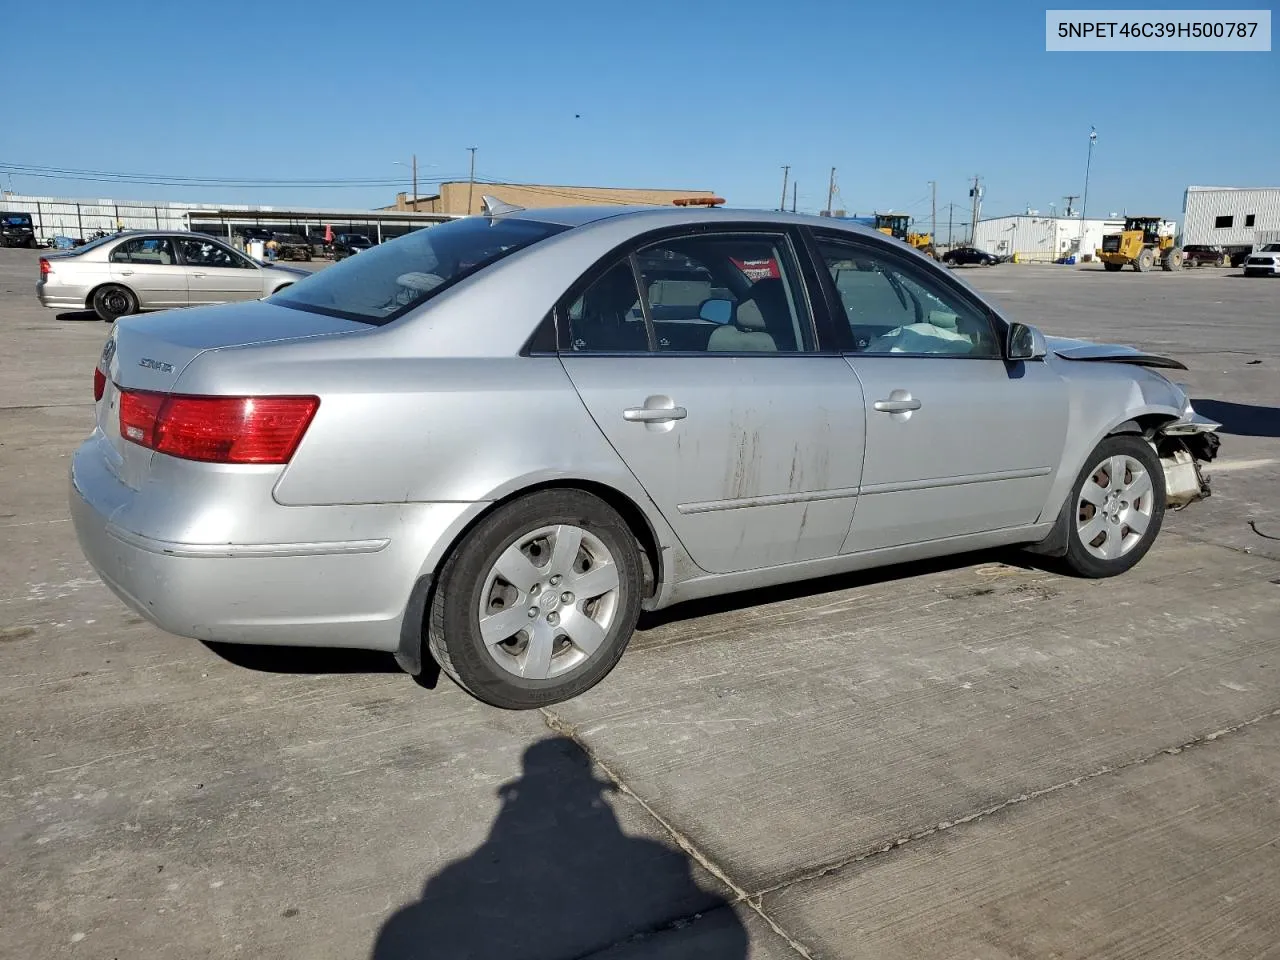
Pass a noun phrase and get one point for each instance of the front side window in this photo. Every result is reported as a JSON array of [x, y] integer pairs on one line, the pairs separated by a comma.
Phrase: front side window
[[151, 251], [893, 308], [198, 252], [701, 294], [391, 278]]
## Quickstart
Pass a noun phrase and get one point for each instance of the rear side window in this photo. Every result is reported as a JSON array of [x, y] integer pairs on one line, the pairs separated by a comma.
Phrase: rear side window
[[391, 278], [709, 293], [152, 251]]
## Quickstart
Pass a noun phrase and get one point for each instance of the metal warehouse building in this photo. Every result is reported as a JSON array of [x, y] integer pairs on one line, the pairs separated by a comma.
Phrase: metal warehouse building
[[1229, 216], [1044, 239]]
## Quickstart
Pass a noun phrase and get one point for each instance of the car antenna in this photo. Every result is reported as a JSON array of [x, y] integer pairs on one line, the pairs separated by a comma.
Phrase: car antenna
[[493, 207]]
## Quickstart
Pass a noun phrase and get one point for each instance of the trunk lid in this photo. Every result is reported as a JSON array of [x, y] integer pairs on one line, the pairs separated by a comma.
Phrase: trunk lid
[[150, 351]]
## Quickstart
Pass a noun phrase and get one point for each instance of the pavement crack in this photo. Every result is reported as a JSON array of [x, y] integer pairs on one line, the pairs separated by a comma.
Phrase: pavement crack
[[559, 726], [946, 825]]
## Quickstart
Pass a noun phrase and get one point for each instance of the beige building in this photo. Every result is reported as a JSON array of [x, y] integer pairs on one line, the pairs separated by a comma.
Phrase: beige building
[[463, 197]]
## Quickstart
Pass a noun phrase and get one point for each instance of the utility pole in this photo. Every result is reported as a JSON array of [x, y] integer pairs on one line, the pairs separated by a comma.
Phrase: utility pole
[[415, 183], [973, 223], [933, 229], [471, 182], [1069, 197], [786, 170], [831, 190], [795, 186]]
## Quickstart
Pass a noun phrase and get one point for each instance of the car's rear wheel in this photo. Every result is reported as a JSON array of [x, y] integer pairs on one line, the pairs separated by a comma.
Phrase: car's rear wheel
[[538, 602], [113, 301], [1116, 507]]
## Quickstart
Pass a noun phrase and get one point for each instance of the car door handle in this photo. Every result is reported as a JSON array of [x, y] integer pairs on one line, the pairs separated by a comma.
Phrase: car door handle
[[896, 406], [654, 414], [197, 273], [126, 273]]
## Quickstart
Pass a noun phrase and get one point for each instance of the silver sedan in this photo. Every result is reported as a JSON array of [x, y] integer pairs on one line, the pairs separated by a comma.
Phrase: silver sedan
[[134, 271], [495, 441]]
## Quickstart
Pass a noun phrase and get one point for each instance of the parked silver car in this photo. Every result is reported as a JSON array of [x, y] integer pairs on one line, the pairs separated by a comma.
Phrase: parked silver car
[[134, 271], [500, 438]]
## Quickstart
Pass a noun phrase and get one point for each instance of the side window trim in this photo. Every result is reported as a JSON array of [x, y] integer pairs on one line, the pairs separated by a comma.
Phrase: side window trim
[[895, 258], [645, 310]]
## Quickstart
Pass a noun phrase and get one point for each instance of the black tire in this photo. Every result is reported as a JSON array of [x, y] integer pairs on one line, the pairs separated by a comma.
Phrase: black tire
[[1145, 260], [1078, 558], [1172, 260], [453, 630], [1112, 267], [113, 301]]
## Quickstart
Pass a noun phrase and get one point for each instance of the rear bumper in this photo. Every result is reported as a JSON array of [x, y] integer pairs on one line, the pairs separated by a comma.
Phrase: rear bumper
[[321, 592], [61, 296]]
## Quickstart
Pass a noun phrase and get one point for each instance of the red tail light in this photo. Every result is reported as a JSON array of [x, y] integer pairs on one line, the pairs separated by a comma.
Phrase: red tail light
[[44, 267], [99, 384], [217, 429]]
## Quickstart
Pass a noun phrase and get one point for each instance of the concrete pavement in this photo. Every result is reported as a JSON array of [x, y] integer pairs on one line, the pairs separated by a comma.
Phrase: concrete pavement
[[972, 758]]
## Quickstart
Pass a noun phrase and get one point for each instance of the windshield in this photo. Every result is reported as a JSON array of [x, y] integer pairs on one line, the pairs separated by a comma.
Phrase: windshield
[[17, 220], [392, 278], [1271, 248]]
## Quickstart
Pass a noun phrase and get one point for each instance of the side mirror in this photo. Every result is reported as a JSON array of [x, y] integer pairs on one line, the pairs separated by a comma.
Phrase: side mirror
[[716, 311], [1025, 343]]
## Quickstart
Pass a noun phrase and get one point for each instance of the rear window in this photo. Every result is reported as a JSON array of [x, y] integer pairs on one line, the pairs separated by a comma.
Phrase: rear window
[[17, 220], [394, 277]]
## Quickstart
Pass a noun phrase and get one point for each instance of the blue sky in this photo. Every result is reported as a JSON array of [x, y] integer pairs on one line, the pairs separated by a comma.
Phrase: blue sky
[[693, 94]]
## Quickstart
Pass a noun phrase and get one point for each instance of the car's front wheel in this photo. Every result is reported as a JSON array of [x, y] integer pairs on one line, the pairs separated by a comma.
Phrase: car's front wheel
[[538, 603], [113, 301], [1116, 507]]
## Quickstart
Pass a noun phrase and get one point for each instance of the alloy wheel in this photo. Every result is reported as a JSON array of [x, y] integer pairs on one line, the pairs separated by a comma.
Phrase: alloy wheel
[[548, 601], [1115, 507]]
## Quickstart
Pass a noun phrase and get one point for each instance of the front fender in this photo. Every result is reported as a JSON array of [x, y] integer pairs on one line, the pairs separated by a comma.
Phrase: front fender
[[1105, 399]]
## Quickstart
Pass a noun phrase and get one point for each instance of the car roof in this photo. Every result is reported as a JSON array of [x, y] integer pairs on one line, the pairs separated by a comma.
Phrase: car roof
[[676, 216]]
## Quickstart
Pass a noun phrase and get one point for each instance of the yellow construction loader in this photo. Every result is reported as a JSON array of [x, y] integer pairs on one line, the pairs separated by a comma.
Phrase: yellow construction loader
[[896, 225], [1141, 244]]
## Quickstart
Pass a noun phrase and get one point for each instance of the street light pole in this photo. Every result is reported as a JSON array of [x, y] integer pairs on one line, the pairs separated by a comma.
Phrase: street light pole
[[1088, 166]]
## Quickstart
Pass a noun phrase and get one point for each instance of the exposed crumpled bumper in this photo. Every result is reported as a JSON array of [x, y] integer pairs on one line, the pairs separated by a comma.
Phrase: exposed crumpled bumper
[[1183, 446]]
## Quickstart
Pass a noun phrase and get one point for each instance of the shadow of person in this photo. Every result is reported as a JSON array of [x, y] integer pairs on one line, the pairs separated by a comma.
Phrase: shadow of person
[[557, 878]]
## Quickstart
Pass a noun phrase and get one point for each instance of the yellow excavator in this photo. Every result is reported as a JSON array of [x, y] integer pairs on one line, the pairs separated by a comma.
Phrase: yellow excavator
[[1140, 243], [897, 225]]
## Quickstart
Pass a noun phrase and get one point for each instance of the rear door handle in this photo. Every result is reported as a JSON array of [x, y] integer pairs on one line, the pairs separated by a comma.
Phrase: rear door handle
[[654, 414], [197, 274], [896, 406]]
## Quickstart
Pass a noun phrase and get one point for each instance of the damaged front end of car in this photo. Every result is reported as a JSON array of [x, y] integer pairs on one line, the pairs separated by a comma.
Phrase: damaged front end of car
[[1183, 446]]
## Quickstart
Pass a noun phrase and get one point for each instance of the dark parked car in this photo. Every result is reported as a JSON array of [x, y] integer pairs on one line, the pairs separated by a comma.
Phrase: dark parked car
[[292, 246], [1203, 255], [962, 256], [16, 230], [349, 244]]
